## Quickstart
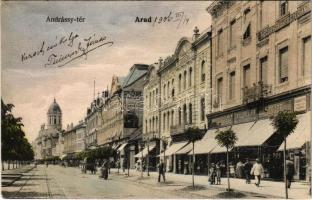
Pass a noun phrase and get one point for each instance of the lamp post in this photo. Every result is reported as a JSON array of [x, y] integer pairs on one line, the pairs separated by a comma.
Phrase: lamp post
[[164, 140]]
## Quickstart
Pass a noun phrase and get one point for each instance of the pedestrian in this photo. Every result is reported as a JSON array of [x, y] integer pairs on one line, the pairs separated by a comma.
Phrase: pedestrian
[[239, 169], [161, 170], [257, 171], [218, 173], [104, 170], [47, 164], [212, 174], [247, 169], [290, 171]]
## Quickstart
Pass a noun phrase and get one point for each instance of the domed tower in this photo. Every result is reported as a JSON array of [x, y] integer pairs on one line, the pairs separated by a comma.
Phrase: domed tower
[[54, 116]]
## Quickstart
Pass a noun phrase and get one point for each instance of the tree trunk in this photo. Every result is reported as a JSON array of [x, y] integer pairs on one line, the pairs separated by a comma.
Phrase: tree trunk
[[193, 166], [2, 165], [286, 189], [228, 168], [8, 164], [147, 159], [142, 164]]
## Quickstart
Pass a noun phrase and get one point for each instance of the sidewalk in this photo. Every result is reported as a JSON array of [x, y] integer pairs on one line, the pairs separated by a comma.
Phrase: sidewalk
[[8, 177], [298, 190]]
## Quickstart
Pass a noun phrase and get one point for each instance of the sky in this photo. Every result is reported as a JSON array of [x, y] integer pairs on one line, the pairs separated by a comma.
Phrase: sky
[[32, 83]]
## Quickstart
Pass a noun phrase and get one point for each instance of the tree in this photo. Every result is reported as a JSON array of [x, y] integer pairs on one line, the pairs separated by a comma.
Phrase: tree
[[193, 134], [227, 139], [14, 145], [285, 123]]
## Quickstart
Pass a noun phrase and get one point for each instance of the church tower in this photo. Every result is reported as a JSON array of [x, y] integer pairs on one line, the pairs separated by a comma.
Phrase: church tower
[[54, 116]]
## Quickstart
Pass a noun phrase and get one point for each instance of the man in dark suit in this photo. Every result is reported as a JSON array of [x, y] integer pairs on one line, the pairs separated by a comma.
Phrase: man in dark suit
[[290, 171], [161, 170]]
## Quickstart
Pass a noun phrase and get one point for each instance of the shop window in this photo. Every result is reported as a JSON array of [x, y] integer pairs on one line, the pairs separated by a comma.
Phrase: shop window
[[283, 65]]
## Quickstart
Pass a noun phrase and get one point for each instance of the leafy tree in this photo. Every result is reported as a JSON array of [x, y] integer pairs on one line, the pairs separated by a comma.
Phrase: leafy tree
[[193, 134], [227, 139], [14, 145], [285, 123]]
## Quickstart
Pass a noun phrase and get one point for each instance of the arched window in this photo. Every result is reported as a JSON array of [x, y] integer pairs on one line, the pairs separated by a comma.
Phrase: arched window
[[172, 114], [153, 129], [168, 120], [190, 113], [184, 83], [180, 116], [156, 124], [164, 91], [184, 114], [54, 120], [145, 126], [203, 67], [190, 77], [168, 89], [164, 125], [180, 82]]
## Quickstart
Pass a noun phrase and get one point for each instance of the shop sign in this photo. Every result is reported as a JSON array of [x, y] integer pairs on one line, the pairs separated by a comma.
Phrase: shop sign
[[224, 120], [245, 116], [300, 104], [274, 109]]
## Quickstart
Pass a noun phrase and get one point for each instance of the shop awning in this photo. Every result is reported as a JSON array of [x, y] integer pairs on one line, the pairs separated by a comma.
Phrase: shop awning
[[145, 152], [122, 147], [186, 149], [173, 149], [205, 145], [301, 135]]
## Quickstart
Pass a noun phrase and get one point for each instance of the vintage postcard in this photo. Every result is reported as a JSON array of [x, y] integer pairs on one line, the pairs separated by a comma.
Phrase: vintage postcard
[[156, 99]]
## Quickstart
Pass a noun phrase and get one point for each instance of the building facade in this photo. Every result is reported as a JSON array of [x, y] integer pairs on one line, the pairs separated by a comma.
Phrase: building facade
[[74, 139], [261, 61], [177, 96]]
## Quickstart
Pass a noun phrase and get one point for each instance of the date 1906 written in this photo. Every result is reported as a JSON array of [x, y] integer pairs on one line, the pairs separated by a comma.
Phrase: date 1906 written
[[173, 17]]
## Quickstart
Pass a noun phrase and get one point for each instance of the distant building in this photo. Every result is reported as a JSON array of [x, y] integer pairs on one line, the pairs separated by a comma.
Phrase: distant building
[[49, 142]]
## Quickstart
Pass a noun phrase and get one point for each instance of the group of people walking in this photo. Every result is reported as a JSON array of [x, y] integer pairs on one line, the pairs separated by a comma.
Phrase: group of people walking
[[249, 170]]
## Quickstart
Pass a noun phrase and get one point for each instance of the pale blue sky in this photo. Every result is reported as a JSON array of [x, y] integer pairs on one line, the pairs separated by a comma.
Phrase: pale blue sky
[[31, 87]]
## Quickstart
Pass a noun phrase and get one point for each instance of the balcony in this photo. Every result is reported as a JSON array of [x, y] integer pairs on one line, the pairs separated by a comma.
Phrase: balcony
[[256, 92]]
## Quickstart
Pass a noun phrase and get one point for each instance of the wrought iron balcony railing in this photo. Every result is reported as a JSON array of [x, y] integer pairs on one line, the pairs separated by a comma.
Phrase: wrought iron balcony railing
[[256, 92]]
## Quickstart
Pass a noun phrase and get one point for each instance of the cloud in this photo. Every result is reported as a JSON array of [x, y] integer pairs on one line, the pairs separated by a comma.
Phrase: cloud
[[31, 87]]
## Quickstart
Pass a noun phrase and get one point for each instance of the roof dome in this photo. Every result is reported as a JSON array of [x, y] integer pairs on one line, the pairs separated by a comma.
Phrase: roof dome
[[54, 108]]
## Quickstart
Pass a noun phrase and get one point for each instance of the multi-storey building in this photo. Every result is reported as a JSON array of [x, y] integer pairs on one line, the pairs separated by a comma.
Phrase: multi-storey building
[[93, 122], [49, 142], [74, 139], [120, 114], [177, 95], [261, 61]]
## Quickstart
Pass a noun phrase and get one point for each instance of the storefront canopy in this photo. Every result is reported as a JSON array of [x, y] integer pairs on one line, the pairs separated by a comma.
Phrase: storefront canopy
[[302, 133], [122, 147], [173, 149], [186, 149], [145, 151]]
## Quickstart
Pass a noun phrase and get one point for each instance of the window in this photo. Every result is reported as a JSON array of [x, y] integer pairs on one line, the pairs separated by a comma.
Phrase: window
[[168, 120], [247, 32], [219, 43], [246, 76], [172, 91], [233, 33], [219, 89], [283, 65], [180, 116], [190, 77], [180, 80], [203, 67], [168, 90], [306, 58], [184, 114], [164, 125], [145, 126], [263, 69], [190, 113], [150, 99], [156, 99], [184, 83], [165, 91], [283, 7], [202, 109], [232, 85], [172, 114]]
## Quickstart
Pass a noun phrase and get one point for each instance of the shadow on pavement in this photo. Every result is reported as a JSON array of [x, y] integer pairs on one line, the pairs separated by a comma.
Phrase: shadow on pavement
[[230, 195], [24, 195], [195, 188]]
